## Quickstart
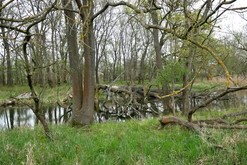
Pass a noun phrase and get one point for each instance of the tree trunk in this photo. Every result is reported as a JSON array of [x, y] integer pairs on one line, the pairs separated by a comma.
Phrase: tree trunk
[[8, 59], [186, 92], [167, 101], [76, 72], [36, 109], [89, 66]]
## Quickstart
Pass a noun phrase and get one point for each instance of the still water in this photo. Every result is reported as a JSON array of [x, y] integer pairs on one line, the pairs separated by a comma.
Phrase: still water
[[12, 117]]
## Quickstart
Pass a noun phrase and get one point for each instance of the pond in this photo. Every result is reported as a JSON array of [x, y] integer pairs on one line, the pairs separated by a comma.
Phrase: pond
[[12, 117]]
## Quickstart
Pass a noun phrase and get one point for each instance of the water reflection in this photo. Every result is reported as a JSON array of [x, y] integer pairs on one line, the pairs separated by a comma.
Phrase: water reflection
[[11, 117]]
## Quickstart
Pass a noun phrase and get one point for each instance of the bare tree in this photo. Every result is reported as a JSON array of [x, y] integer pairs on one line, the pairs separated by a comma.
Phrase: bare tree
[[7, 51]]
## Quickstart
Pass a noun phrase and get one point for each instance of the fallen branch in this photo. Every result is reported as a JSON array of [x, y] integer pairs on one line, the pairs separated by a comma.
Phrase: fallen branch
[[174, 120], [234, 114], [221, 126], [210, 121], [208, 101], [197, 125], [10, 102], [239, 121]]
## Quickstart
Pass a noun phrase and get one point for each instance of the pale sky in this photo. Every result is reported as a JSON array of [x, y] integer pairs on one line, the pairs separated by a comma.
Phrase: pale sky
[[231, 21]]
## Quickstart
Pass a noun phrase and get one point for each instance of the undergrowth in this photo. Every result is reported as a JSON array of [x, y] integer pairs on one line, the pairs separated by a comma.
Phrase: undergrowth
[[131, 142]]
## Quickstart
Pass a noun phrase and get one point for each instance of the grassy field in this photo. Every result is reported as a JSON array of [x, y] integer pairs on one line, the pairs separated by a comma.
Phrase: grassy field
[[127, 143]]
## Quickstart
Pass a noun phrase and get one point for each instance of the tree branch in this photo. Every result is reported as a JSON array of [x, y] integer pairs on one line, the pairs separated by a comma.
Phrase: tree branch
[[122, 3], [207, 102]]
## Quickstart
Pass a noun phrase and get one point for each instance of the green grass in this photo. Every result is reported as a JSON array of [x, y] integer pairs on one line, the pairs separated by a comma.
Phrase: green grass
[[207, 86], [131, 142], [52, 95], [8, 92], [47, 95]]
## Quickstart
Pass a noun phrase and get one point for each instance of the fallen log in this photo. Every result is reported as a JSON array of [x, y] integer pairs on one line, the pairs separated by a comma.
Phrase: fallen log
[[10, 102], [129, 90], [175, 120], [197, 125]]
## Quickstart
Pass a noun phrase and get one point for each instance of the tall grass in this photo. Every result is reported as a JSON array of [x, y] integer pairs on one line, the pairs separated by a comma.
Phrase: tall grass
[[131, 142]]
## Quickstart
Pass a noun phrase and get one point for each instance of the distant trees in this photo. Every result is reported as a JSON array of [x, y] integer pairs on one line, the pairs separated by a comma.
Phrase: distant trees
[[6, 52], [132, 42]]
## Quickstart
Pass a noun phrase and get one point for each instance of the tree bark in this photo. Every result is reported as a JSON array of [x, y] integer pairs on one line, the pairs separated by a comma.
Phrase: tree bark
[[74, 60], [157, 46], [175, 120], [89, 66], [186, 92], [8, 59]]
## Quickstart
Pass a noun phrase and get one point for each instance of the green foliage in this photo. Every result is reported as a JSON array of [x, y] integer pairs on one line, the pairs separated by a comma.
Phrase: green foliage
[[173, 71], [131, 142]]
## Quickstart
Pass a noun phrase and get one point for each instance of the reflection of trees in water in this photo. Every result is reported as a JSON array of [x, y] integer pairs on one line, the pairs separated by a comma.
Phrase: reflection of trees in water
[[11, 117], [55, 115], [24, 116]]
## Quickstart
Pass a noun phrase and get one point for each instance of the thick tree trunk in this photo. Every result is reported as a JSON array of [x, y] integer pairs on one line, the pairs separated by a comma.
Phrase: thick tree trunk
[[75, 69], [89, 66]]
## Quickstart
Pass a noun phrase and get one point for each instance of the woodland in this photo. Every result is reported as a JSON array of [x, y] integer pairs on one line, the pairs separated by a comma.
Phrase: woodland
[[122, 55]]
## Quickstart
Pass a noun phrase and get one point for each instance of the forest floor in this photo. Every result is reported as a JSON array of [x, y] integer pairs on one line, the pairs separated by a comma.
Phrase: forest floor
[[135, 142]]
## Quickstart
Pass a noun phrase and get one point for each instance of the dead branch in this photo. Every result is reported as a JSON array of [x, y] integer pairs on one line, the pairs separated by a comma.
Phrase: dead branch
[[9, 102], [208, 101], [175, 120], [222, 126], [210, 121], [239, 121], [234, 114], [152, 93], [197, 125], [129, 5]]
